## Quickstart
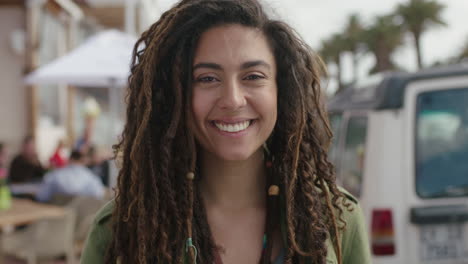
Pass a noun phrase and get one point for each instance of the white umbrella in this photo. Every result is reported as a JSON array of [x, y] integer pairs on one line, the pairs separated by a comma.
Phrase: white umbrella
[[103, 60]]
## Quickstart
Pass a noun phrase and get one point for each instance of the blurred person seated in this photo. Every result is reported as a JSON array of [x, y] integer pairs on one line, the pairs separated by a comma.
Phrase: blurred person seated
[[58, 159], [73, 180], [98, 163], [26, 166]]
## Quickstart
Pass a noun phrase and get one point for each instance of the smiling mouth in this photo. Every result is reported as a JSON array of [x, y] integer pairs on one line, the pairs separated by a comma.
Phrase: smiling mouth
[[233, 128]]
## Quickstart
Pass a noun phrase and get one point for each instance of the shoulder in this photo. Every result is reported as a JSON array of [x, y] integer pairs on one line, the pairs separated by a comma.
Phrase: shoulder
[[351, 212], [348, 196], [104, 215], [350, 208], [348, 204], [354, 238], [99, 236]]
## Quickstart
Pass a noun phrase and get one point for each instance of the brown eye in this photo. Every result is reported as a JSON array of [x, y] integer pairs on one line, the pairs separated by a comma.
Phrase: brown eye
[[254, 77], [207, 79]]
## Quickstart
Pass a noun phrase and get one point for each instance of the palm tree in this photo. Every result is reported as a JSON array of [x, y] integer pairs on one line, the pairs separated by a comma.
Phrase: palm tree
[[353, 40], [382, 39], [331, 51], [418, 16]]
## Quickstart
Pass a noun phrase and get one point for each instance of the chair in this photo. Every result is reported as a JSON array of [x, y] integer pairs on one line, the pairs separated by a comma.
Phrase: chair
[[45, 239], [85, 209]]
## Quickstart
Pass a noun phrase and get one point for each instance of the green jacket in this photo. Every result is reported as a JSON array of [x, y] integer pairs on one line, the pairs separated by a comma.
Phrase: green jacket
[[354, 240]]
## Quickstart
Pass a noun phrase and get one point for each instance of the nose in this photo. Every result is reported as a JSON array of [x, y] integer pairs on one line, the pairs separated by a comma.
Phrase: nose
[[232, 96]]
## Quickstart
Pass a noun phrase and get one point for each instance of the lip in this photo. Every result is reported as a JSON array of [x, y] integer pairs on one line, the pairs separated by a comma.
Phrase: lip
[[232, 121]]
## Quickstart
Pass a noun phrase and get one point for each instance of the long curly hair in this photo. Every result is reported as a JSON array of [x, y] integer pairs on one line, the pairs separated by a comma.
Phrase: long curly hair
[[156, 207]]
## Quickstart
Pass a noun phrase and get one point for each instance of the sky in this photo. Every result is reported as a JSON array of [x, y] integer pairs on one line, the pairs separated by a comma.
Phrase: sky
[[316, 20]]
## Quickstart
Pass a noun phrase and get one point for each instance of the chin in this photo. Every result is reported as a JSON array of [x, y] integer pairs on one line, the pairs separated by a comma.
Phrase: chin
[[230, 152], [234, 156]]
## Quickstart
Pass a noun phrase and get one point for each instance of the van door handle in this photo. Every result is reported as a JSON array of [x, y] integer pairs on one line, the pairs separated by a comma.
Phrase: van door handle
[[439, 214]]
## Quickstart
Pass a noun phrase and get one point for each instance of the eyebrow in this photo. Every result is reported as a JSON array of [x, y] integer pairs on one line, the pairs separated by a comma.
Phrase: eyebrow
[[243, 66], [208, 65], [250, 64]]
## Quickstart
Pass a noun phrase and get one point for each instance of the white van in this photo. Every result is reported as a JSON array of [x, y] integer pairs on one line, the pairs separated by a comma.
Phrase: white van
[[401, 147]]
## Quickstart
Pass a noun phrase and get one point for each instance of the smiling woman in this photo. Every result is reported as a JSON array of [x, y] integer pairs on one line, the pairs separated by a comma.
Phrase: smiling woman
[[234, 93], [225, 149]]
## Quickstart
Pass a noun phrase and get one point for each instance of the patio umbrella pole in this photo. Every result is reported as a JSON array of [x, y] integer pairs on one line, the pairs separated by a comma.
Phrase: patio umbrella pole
[[115, 129]]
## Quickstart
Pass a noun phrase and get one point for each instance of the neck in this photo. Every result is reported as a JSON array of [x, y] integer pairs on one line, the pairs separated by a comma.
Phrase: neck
[[233, 185]]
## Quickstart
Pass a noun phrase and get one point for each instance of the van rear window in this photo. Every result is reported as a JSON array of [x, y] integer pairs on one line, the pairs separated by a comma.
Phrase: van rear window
[[442, 143], [353, 156]]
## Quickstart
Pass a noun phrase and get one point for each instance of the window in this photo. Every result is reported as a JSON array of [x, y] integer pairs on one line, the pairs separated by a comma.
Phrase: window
[[353, 156], [52, 97], [442, 143]]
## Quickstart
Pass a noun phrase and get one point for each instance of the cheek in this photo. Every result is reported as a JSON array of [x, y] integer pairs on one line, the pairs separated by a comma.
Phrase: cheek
[[197, 116], [271, 105], [201, 105], [197, 106], [274, 111]]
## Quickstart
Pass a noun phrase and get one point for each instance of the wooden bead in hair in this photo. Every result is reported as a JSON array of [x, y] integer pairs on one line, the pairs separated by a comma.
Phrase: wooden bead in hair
[[190, 176], [273, 190]]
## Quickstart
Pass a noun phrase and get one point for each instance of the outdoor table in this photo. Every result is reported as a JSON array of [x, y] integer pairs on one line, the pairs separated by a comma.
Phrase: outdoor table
[[24, 211]]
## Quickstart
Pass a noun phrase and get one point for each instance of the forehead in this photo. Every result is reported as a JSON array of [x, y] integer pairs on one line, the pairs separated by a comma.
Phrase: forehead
[[233, 44]]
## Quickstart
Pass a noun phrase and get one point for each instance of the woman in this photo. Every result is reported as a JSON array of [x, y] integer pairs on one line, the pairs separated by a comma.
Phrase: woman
[[225, 149]]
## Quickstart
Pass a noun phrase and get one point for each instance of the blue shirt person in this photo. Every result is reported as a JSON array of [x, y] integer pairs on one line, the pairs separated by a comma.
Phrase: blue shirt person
[[75, 179]]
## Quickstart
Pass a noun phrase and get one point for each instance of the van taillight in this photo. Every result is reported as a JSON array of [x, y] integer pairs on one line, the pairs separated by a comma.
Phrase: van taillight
[[383, 237]]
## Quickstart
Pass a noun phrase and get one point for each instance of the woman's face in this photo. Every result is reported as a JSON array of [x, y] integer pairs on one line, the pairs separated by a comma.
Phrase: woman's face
[[234, 91]]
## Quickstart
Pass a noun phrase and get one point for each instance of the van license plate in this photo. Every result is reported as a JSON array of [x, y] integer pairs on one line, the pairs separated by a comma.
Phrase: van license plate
[[441, 241]]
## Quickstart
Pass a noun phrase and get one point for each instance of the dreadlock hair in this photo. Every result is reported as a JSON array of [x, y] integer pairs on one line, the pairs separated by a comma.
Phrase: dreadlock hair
[[156, 206]]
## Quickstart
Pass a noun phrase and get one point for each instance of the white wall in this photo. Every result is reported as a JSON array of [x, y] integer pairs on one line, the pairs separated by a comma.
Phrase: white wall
[[13, 101]]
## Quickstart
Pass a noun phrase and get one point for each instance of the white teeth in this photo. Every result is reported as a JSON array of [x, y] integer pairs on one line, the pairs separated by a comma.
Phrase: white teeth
[[233, 127]]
